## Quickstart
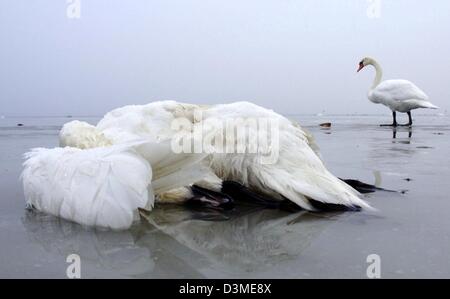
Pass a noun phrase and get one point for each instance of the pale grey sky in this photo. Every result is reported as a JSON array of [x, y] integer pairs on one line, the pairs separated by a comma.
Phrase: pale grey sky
[[290, 55]]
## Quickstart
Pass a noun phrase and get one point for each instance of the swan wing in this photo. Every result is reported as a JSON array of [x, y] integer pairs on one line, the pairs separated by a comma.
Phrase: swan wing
[[297, 174], [398, 90], [153, 122], [150, 121], [172, 170], [95, 187], [104, 186]]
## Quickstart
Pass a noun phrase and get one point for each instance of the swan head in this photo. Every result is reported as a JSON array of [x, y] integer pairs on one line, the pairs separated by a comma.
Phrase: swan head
[[82, 135], [365, 62]]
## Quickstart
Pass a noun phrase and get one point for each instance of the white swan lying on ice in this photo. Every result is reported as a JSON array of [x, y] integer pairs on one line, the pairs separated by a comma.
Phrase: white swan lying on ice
[[298, 174], [98, 178]]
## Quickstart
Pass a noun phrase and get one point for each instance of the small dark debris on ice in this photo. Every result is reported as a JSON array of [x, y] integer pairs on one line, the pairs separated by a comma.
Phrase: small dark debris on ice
[[325, 125]]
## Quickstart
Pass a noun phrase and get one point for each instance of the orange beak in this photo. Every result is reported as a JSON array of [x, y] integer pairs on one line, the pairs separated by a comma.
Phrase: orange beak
[[361, 66]]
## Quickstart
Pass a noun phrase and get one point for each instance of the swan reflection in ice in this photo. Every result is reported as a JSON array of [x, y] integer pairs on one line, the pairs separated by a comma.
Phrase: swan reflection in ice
[[171, 243], [113, 251], [408, 130]]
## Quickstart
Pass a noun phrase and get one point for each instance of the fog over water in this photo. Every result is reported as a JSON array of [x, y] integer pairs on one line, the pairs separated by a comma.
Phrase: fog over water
[[297, 57], [291, 55], [409, 230]]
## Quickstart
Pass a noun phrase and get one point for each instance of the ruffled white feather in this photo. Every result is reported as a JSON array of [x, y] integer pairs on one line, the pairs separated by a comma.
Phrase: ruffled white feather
[[298, 174], [102, 186]]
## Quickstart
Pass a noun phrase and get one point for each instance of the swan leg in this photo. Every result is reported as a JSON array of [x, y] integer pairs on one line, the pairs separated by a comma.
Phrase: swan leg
[[205, 198], [409, 124], [362, 187], [209, 215], [242, 194], [394, 120], [246, 196]]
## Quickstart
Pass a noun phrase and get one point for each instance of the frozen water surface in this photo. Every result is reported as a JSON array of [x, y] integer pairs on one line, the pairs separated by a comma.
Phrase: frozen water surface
[[410, 231]]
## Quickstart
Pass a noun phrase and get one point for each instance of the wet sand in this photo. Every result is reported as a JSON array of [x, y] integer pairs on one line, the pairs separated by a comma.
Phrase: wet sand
[[410, 231]]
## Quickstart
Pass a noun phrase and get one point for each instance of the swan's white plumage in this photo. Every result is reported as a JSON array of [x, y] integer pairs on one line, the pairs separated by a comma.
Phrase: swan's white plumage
[[128, 124], [298, 174], [82, 135], [154, 121], [95, 187], [103, 186], [151, 121], [105, 172], [400, 95]]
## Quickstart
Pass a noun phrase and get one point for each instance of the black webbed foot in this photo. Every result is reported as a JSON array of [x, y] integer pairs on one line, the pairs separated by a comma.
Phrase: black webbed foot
[[242, 194], [206, 198], [363, 187]]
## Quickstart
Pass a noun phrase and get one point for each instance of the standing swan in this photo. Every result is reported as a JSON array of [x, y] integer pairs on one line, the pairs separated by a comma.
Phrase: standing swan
[[398, 95]]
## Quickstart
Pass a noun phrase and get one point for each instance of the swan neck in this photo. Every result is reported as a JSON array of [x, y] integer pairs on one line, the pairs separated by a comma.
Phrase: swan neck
[[378, 75]]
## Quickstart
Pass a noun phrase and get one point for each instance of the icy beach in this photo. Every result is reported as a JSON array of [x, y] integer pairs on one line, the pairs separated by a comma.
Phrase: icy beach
[[410, 232]]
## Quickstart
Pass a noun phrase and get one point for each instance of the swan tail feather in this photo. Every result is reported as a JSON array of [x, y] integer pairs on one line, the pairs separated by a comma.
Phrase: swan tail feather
[[323, 192], [103, 186], [96, 187], [422, 104]]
